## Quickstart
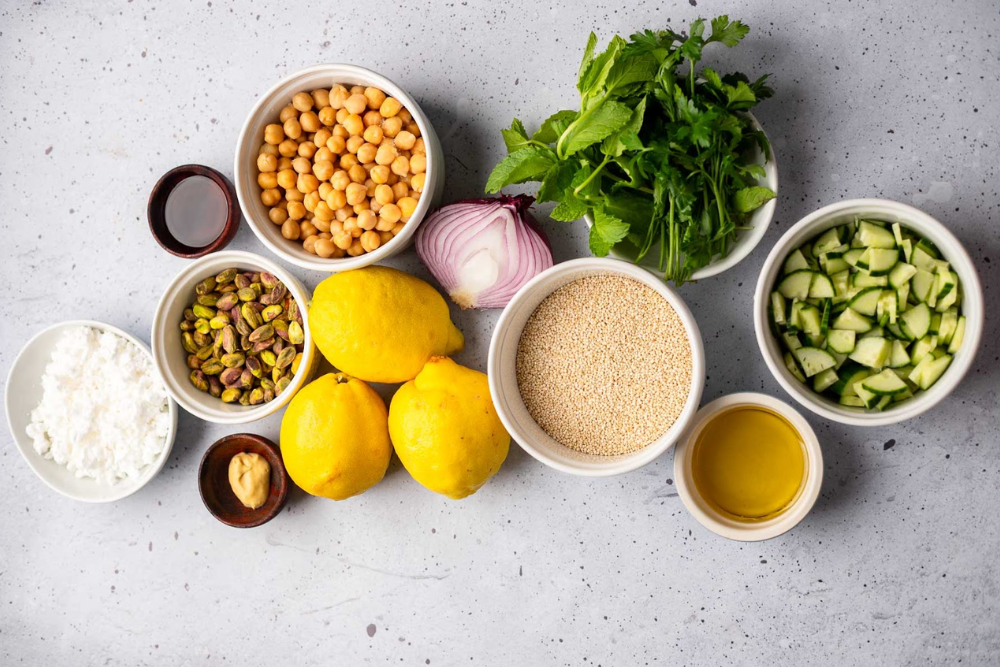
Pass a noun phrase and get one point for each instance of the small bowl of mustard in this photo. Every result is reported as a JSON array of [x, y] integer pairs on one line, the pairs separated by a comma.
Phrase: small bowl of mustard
[[243, 480], [750, 467]]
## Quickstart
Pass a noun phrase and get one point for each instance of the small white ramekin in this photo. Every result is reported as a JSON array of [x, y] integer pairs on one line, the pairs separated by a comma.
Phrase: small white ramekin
[[502, 371], [171, 359], [266, 110], [746, 240], [24, 392], [890, 211], [746, 531]]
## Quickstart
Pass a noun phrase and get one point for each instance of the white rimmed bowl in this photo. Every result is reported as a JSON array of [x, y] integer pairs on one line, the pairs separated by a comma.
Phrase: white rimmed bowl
[[746, 240], [171, 359], [501, 368], [24, 392], [921, 223], [746, 531], [251, 137]]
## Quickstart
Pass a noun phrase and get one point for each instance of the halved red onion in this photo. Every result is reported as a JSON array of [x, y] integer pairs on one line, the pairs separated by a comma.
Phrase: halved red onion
[[483, 250]]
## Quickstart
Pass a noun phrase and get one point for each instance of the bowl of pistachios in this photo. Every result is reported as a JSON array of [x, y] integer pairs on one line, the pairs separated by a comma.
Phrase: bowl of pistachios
[[231, 338]]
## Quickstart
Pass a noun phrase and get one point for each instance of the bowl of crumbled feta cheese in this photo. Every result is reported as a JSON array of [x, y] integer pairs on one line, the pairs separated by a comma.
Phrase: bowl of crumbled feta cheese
[[89, 411]]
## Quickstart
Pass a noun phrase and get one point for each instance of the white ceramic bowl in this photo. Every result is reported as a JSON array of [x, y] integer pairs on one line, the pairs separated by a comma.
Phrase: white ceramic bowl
[[501, 367], [171, 359], [919, 222], [266, 110], [726, 526], [24, 392], [746, 240]]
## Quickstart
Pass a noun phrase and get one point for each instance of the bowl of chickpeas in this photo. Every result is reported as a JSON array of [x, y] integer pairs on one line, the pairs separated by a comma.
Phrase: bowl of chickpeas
[[335, 168]]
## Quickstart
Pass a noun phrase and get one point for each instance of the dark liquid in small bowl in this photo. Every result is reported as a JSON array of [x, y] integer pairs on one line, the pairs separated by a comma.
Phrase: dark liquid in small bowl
[[193, 211]]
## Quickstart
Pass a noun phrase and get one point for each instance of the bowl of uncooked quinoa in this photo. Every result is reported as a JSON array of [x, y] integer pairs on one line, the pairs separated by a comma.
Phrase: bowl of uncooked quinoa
[[596, 367]]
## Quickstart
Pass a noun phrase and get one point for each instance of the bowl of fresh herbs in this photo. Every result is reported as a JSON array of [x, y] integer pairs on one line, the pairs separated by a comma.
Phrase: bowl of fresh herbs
[[663, 160]]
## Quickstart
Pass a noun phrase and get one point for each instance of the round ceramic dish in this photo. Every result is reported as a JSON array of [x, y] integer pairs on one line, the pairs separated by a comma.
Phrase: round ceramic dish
[[746, 241], [501, 367], [23, 393], [252, 136], [171, 360], [907, 216], [725, 526], [217, 493]]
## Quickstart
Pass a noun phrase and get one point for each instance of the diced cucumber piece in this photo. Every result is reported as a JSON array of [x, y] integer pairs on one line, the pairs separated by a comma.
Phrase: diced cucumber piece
[[949, 320], [841, 341], [853, 255], [881, 260], [903, 296], [887, 307], [922, 348], [832, 265], [793, 367], [778, 307], [841, 358], [864, 260], [949, 299], [827, 241], [795, 262], [824, 380], [895, 331], [897, 232], [824, 322], [920, 259], [796, 284], [918, 370], [840, 282], [945, 281], [814, 360], [883, 403], [866, 301], [935, 324], [817, 340], [899, 357], [873, 236], [928, 247], [939, 352], [922, 284], [851, 320], [885, 383], [958, 336], [852, 401], [868, 398], [872, 352], [863, 279], [901, 274], [916, 321], [907, 249], [902, 396], [874, 332], [821, 287], [791, 341], [933, 371], [849, 374]]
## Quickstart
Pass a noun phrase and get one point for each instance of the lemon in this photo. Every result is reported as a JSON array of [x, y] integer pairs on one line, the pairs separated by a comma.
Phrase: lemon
[[445, 430], [334, 437], [379, 324]]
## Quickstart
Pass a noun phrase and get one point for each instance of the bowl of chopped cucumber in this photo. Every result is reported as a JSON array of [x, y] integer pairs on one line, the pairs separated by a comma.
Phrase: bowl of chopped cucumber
[[868, 312]]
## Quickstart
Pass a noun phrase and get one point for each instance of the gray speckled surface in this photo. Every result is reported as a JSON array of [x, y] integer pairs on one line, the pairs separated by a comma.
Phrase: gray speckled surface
[[896, 565]]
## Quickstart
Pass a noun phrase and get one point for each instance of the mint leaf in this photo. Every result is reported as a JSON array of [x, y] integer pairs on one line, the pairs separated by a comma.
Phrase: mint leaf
[[522, 165], [627, 138], [727, 32], [556, 181], [516, 137], [599, 68], [750, 199], [595, 126], [588, 56], [570, 209], [554, 126], [606, 231]]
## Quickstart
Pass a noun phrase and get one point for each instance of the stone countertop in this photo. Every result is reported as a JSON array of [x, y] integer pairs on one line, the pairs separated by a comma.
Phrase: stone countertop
[[897, 564]]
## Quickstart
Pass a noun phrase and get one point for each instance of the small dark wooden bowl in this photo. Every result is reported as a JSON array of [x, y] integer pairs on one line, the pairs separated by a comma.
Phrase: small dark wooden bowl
[[156, 208], [216, 492]]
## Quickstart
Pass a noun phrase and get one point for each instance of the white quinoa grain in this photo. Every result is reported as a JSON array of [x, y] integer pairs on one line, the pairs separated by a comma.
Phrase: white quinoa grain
[[604, 365]]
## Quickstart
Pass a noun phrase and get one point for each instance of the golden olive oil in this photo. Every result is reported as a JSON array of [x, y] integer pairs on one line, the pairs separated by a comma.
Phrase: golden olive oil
[[749, 463]]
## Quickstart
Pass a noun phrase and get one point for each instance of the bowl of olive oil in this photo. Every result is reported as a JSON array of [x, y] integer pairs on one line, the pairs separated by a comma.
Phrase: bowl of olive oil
[[750, 467]]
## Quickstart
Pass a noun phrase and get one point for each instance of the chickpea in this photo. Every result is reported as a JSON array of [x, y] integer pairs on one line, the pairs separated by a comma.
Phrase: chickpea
[[384, 237], [338, 95], [337, 199], [268, 149], [417, 182], [357, 173], [380, 173], [386, 154], [348, 160], [384, 225], [288, 148], [356, 104], [401, 166], [321, 98], [390, 212], [301, 165], [324, 188], [355, 193], [398, 228], [336, 227], [327, 115], [343, 240], [383, 194], [307, 229], [296, 210], [390, 107], [405, 115], [340, 131], [322, 225], [367, 220], [274, 134], [374, 206], [307, 149], [419, 146], [278, 215], [310, 121], [293, 194], [324, 248], [340, 180], [323, 154], [370, 241], [354, 124], [366, 153], [293, 130], [357, 90], [372, 118], [418, 163], [323, 169], [290, 230], [322, 136], [267, 162], [284, 163], [307, 183], [407, 205], [310, 202], [302, 101], [270, 197], [342, 115], [287, 112], [267, 180], [393, 179], [351, 225], [356, 249], [373, 134], [400, 190], [363, 205], [354, 144], [309, 244], [337, 145], [405, 140], [344, 213], [391, 127], [323, 211], [413, 128]]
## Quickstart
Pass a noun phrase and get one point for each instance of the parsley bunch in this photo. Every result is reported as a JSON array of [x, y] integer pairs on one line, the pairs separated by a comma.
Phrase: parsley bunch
[[658, 156]]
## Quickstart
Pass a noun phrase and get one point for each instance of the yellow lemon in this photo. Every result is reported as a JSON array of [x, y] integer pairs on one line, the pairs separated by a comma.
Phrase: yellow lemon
[[381, 325], [445, 430], [334, 437]]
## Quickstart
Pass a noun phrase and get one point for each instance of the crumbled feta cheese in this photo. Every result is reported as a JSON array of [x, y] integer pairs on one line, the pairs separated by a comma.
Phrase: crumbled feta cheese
[[104, 410]]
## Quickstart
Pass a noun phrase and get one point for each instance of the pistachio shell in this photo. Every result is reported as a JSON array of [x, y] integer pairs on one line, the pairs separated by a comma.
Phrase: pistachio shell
[[261, 333], [295, 333], [225, 276], [199, 380], [205, 286], [231, 395]]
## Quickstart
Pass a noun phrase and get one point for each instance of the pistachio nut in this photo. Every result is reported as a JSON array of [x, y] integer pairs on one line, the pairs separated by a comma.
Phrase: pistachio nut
[[229, 339], [268, 358], [205, 286], [267, 383], [280, 328], [293, 311], [257, 396], [246, 379], [246, 294], [217, 343], [278, 346], [203, 311], [268, 395], [225, 276], [245, 344], [231, 395], [269, 280], [226, 289], [187, 340], [263, 332], [202, 326], [233, 360], [214, 386], [278, 293], [285, 358], [189, 315], [205, 352], [227, 301], [296, 363], [243, 328], [242, 281], [245, 398], [272, 312], [251, 315], [212, 367], [282, 384], [220, 321], [199, 380], [254, 366], [187, 325], [258, 348], [296, 335], [209, 300], [193, 361], [230, 376]]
